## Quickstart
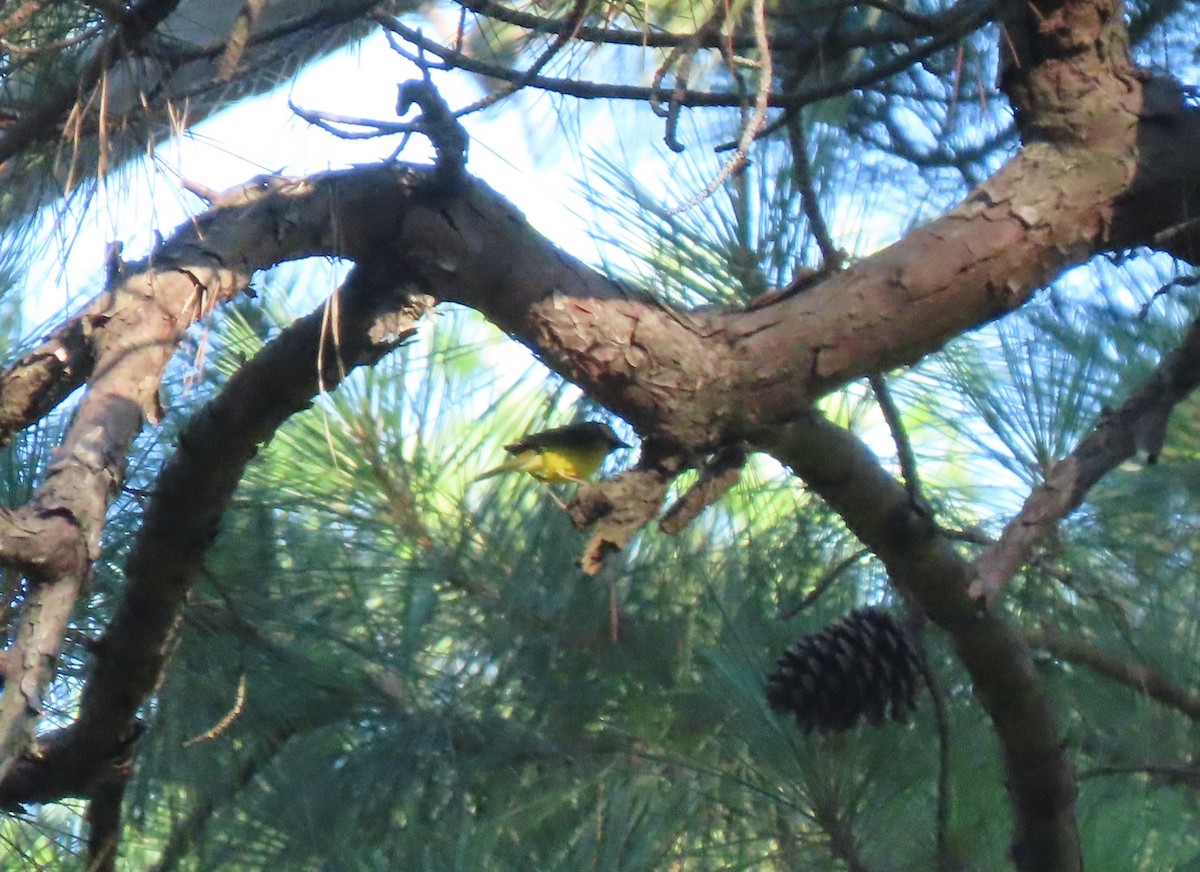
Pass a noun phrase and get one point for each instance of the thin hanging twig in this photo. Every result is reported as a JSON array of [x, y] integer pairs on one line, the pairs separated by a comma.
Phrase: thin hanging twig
[[758, 120]]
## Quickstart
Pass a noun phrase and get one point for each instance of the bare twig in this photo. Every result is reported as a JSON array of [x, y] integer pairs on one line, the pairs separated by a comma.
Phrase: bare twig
[[831, 257], [895, 422], [1172, 774], [823, 584], [573, 22], [227, 719], [758, 119]]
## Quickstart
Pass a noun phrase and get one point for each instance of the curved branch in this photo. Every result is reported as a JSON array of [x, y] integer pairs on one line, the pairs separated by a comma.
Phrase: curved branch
[[972, 15], [196, 486], [924, 565]]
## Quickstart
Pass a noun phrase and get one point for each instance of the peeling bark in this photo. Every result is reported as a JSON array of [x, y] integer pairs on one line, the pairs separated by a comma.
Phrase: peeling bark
[[1106, 164]]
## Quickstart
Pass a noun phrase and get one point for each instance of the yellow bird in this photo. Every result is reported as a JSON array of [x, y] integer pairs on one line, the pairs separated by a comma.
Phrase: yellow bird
[[564, 454]]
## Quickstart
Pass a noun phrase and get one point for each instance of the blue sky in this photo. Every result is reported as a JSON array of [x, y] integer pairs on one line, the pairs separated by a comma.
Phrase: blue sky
[[263, 135]]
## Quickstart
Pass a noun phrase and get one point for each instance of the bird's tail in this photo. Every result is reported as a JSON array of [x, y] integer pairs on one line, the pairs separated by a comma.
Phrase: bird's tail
[[508, 466]]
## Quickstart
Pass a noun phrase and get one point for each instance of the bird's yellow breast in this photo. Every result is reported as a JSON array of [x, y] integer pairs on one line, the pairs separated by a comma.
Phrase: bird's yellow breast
[[572, 465]]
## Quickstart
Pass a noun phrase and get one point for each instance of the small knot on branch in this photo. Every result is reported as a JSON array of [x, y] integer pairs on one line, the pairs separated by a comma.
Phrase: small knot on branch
[[437, 122]]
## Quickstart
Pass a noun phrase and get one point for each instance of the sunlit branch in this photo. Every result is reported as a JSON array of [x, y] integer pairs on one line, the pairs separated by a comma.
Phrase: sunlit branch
[[1139, 423]]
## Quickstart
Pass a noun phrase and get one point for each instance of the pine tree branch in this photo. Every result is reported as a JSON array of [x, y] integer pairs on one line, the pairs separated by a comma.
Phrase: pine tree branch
[[1138, 677], [136, 327], [925, 566], [969, 17], [43, 121], [1140, 422], [196, 486]]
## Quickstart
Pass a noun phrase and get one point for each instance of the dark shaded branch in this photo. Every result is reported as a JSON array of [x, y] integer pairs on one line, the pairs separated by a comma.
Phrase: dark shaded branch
[[195, 487], [448, 138], [717, 476], [823, 584], [895, 422], [969, 18], [136, 325], [1169, 774], [56, 770], [831, 256], [941, 821], [1138, 677], [42, 122], [104, 821], [926, 568]]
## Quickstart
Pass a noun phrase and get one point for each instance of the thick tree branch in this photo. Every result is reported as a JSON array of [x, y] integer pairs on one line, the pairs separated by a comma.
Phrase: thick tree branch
[[925, 567], [194, 490], [135, 327]]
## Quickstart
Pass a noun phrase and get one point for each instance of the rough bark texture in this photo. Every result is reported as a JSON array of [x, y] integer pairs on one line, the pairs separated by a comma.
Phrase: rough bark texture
[[1105, 164]]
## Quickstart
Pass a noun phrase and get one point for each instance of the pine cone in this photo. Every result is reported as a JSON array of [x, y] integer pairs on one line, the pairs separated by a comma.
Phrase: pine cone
[[864, 666]]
